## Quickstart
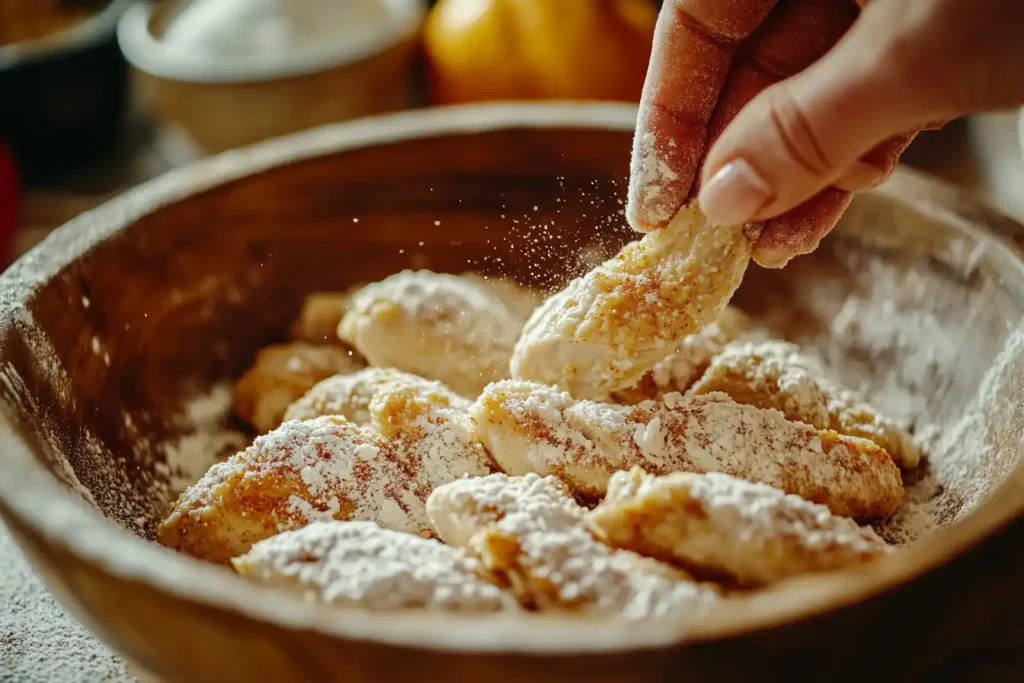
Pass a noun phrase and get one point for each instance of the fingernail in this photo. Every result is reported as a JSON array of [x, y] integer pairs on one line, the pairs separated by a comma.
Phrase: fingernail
[[734, 194]]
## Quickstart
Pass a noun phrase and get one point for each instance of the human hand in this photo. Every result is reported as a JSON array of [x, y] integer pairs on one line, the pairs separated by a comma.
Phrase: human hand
[[776, 110]]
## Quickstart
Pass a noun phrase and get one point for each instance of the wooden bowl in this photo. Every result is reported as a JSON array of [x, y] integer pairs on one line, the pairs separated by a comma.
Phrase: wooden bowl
[[122, 314], [234, 102]]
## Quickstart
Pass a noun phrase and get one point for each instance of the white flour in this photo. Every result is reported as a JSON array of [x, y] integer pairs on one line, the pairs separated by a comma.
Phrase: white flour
[[963, 467], [204, 441], [39, 642]]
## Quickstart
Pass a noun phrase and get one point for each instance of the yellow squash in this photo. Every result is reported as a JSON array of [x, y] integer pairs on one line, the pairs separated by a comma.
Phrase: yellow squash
[[538, 49]]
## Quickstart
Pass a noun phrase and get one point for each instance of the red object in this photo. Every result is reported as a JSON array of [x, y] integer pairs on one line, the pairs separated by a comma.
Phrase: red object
[[9, 204]]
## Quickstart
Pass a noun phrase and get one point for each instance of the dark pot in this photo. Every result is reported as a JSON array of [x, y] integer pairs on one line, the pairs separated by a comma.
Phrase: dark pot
[[64, 97]]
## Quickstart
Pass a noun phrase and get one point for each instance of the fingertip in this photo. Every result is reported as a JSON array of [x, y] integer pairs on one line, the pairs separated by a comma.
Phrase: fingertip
[[642, 220], [661, 173]]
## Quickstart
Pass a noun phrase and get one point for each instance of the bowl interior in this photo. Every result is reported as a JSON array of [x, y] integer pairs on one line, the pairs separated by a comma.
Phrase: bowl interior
[[117, 341]]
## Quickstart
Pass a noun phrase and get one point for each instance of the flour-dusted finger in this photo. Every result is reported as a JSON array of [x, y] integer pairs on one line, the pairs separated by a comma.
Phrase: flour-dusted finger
[[693, 48]]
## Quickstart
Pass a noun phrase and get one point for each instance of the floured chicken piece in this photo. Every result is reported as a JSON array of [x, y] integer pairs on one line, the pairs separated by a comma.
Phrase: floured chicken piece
[[351, 395], [530, 427], [604, 331], [718, 526], [520, 300], [685, 365], [282, 374], [776, 374], [529, 532], [360, 564], [319, 317], [329, 468], [438, 326]]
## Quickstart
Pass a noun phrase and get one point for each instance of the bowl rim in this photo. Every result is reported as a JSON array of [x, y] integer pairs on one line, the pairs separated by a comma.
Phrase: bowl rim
[[37, 502], [150, 55], [94, 30]]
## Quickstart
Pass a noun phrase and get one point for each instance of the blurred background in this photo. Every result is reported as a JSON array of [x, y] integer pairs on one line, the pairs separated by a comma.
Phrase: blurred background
[[99, 95]]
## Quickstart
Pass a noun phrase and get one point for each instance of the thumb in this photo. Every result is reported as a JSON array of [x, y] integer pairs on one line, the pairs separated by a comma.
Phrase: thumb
[[810, 131]]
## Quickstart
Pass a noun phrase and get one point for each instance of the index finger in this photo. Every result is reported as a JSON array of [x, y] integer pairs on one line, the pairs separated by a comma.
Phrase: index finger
[[694, 45]]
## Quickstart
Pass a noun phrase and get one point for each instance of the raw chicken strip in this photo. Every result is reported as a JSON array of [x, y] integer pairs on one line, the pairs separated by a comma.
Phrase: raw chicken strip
[[329, 468], [438, 326], [776, 374], [283, 373], [718, 526], [533, 428], [360, 564], [351, 395], [606, 329], [529, 532]]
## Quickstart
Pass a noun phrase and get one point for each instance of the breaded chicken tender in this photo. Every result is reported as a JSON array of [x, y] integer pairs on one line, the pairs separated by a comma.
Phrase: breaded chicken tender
[[534, 428], [360, 564], [351, 395], [438, 326], [718, 526], [283, 373], [329, 468], [604, 331], [531, 534], [776, 374]]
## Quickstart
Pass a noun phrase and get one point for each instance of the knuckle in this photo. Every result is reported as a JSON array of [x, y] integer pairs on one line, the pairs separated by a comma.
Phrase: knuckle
[[800, 142]]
